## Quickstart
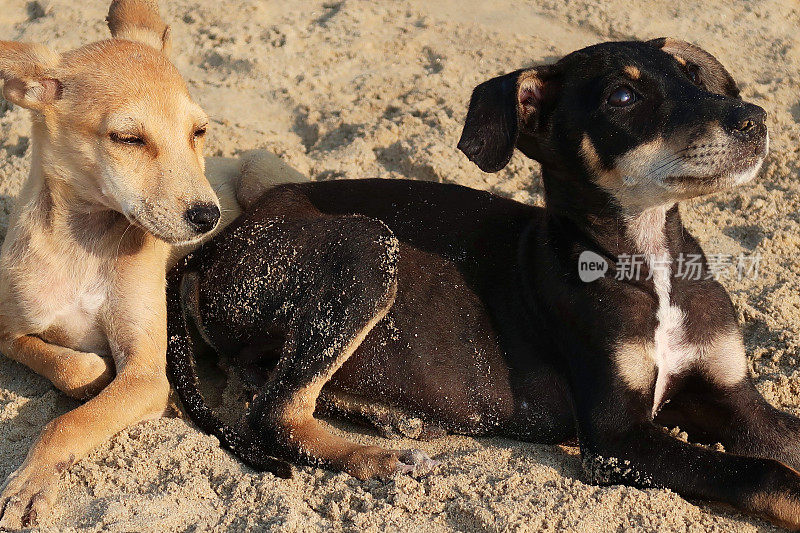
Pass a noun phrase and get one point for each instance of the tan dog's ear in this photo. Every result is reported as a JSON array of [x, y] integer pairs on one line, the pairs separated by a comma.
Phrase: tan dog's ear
[[28, 73], [701, 65], [138, 20]]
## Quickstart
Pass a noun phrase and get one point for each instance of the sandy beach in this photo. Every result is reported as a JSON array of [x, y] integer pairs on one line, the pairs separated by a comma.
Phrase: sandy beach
[[358, 89]]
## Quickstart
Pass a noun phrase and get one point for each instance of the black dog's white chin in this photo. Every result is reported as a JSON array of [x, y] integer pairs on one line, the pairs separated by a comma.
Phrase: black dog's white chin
[[747, 174], [750, 158], [691, 187], [743, 164], [741, 171]]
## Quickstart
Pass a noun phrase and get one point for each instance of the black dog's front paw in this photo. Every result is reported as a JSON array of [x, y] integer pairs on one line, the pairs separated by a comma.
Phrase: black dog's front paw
[[602, 470]]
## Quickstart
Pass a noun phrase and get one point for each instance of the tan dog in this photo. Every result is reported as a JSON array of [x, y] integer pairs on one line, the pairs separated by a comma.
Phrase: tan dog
[[117, 177]]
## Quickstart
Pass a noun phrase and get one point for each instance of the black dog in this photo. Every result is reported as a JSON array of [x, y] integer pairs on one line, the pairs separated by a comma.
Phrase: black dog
[[467, 311]]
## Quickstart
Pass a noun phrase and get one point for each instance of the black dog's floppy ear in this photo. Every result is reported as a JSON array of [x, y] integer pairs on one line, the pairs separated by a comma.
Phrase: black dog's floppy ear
[[498, 111], [712, 74]]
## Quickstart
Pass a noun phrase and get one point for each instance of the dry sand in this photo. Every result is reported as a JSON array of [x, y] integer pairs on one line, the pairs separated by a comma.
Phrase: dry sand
[[379, 89]]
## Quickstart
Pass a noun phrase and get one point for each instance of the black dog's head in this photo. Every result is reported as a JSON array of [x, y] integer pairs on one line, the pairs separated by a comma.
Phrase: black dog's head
[[647, 123]]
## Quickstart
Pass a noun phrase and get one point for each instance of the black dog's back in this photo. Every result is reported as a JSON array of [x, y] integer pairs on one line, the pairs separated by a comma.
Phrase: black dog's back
[[446, 219]]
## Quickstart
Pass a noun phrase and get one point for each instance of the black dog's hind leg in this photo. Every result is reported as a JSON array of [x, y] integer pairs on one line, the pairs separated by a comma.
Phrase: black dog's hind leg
[[342, 299], [182, 373], [389, 421]]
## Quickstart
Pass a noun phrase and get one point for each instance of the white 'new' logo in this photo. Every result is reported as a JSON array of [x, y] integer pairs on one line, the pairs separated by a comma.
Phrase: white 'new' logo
[[591, 266]]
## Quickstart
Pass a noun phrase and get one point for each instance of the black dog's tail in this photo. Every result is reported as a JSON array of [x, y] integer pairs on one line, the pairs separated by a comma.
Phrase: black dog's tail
[[182, 374]]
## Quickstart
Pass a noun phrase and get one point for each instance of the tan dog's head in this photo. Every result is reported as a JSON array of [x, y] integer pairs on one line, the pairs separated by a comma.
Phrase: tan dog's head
[[114, 122]]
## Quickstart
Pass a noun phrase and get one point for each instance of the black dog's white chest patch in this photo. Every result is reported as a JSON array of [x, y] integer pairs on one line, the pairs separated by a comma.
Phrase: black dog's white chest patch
[[656, 364]]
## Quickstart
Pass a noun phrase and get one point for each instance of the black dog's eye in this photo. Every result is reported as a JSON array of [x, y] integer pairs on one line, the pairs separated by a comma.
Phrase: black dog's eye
[[199, 132], [122, 138], [622, 96], [693, 72]]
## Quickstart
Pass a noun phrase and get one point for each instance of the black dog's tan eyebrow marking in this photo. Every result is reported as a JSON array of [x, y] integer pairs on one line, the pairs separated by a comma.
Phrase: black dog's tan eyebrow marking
[[632, 72], [589, 153]]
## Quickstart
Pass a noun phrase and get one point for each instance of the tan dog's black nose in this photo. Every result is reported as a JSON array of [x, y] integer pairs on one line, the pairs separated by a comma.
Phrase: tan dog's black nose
[[203, 217]]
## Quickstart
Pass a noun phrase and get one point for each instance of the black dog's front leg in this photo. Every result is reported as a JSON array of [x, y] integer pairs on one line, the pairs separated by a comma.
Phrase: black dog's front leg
[[739, 418], [619, 444]]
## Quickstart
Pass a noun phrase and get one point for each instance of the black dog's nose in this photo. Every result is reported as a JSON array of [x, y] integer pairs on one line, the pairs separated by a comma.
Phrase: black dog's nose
[[747, 121], [203, 217]]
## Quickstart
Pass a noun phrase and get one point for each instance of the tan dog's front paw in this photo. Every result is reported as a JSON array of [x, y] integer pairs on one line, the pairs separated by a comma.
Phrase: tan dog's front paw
[[27, 497]]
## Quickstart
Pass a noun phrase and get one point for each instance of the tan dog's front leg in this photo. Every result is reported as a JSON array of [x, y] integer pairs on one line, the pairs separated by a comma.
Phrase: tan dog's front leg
[[78, 374], [132, 396], [140, 390]]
